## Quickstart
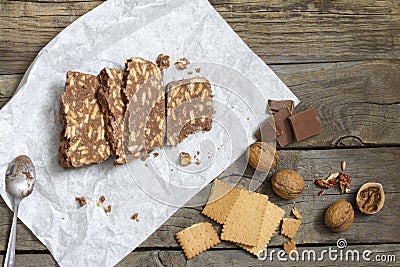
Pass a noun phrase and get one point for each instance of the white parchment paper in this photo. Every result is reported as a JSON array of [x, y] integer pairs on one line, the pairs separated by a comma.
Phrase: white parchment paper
[[157, 187]]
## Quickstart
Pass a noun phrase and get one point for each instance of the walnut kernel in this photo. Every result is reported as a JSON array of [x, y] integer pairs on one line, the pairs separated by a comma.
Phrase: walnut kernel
[[370, 198]]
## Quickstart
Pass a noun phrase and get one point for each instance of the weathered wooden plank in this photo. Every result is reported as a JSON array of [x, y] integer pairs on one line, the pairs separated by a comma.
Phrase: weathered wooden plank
[[241, 258], [224, 257], [33, 260], [8, 85], [279, 32], [364, 165], [358, 102], [383, 167]]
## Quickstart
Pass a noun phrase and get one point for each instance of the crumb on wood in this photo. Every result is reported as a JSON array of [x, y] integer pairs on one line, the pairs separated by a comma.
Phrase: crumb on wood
[[198, 70], [296, 213], [190, 73], [82, 201], [156, 154]]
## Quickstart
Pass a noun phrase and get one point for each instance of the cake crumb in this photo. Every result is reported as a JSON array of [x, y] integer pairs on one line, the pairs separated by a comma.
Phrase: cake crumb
[[182, 63], [82, 201], [163, 61], [135, 217], [185, 158], [107, 209]]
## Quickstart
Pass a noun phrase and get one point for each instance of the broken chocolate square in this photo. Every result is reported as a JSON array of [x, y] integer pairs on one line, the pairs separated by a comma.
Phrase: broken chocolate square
[[276, 105], [282, 121], [83, 139], [305, 124], [268, 131], [189, 108]]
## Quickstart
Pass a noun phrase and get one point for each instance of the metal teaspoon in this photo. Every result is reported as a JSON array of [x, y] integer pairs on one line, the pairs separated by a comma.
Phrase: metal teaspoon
[[20, 179]]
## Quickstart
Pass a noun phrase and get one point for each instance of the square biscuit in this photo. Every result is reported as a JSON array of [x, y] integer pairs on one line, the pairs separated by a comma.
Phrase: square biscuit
[[220, 202], [243, 225], [197, 238], [272, 217]]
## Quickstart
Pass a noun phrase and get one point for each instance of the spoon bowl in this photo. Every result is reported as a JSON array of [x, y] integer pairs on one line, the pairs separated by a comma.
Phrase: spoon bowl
[[20, 179]]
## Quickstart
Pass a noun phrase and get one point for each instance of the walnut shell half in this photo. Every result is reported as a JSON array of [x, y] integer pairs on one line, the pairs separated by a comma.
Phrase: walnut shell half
[[262, 156], [339, 216], [287, 184], [370, 198]]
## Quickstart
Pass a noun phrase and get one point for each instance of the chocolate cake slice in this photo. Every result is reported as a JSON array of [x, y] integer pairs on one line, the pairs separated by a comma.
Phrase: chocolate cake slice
[[189, 108], [113, 106], [144, 122], [83, 139]]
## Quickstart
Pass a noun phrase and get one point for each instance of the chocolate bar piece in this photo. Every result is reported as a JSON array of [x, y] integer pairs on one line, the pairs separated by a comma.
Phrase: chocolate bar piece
[[110, 96], [144, 126], [282, 121], [276, 105], [189, 108], [83, 139], [305, 124], [268, 131]]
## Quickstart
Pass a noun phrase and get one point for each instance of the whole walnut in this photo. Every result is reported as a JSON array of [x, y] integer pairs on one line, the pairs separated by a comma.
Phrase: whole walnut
[[262, 156], [287, 184], [339, 216]]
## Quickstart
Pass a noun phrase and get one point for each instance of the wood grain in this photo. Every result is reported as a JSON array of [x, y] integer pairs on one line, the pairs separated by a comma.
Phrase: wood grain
[[363, 165], [279, 31], [342, 57], [358, 102], [217, 257], [224, 257]]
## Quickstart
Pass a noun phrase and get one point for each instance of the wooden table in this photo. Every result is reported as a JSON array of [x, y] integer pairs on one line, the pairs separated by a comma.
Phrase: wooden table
[[342, 57]]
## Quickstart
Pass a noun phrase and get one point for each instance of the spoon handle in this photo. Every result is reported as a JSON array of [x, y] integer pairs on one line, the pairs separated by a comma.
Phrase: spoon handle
[[10, 256]]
